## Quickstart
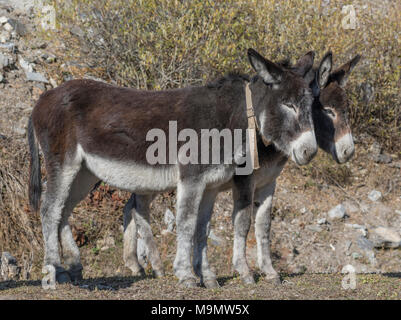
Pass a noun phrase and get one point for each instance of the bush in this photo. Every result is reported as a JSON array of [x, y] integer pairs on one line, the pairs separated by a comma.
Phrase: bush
[[159, 44]]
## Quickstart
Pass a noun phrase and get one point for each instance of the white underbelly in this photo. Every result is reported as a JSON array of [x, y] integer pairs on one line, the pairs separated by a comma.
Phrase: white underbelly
[[132, 176]]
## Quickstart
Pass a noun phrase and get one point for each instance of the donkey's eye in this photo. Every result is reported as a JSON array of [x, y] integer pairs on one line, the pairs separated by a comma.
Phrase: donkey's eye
[[329, 112]]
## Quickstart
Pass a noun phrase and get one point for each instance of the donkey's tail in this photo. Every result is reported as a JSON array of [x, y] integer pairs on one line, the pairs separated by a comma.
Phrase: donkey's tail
[[35, 179]]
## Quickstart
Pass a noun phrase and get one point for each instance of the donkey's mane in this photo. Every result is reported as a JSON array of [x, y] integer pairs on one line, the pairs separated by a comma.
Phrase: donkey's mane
[[228, 78]]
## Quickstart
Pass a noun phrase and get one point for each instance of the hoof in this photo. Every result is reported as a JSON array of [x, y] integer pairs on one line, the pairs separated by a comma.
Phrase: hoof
[[210, 284], [136, 271], [248, 280], [272, 278], [159, 273], [188, 283]]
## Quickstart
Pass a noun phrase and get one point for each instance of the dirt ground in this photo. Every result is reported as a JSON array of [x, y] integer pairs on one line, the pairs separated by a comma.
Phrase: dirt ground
[[307, 286]]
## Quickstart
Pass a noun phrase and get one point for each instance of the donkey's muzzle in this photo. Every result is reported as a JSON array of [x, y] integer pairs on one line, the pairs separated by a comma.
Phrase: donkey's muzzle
[[304, 148], [344, 148]]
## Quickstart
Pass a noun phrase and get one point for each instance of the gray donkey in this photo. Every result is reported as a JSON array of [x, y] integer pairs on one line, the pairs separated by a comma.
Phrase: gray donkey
[[90, 131], [253, 194]]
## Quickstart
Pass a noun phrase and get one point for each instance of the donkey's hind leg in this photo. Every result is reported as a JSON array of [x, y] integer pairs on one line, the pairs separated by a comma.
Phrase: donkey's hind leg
[[142, 219], [200, 261], [82, 185], [130, 238], [59, 185]]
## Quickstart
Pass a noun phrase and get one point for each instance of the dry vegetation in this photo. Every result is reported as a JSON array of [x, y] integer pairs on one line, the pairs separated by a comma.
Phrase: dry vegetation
[[163, 44]]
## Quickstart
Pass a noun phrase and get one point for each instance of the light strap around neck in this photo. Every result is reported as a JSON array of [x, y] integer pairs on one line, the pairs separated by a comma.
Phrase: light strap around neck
[[252, 128]]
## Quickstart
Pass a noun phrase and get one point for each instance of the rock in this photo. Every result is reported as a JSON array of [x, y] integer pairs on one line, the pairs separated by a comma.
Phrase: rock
[[8, 27], [5, 61], [3, 20], [322, 221], [303, 210], [34, 76], [169, 220], [216, 240], [25, 65], [10, 46], [5, 37], [364, 243], [350, 206], [9, 268], [356, 255], [396, 164], [381, 158], [362, 229], [367, 92], [53, 83], [314, 228], [374, 195], [382, 237], [337, 212], [375, 148], [17, 26], [1, 78]]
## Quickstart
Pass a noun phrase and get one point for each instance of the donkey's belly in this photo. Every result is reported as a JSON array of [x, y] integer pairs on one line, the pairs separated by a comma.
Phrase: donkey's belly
[[132, 176]]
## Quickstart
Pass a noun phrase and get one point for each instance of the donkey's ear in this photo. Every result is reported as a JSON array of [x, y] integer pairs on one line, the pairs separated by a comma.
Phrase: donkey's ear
[[341, 74], [304, 64], [269, 71], [323, 73]]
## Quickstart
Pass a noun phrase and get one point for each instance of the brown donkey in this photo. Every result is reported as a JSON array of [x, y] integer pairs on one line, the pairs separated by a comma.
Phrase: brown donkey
[[90, 131], [333, 134]]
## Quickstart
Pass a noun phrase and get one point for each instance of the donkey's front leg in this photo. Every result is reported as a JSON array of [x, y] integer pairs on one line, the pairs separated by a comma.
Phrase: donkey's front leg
[[200, 261], [130, 256], [264, 196], [243, 208], [189, 195]]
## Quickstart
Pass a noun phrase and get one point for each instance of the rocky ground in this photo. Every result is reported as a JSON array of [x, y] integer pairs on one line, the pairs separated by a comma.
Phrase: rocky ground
[[325, 216]]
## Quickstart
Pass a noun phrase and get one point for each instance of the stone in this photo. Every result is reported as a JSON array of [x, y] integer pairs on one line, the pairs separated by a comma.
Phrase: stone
[[314, 228], [382, 158], [8, 27], [25, 65], [355, 226], [35, 76], [364, 243], [337, 212], [375, 195], [9, 268], [5, 61], [169, 220], [5, 37], [17, 26], [1, 78], [3, 20], [350, 206], [216, 240], [356, 255], [10, 46], [383, 237], [322, 221]]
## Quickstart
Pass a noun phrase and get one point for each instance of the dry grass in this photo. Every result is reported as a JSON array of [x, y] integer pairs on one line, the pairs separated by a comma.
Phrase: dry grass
[[19, 228], [159, 44]]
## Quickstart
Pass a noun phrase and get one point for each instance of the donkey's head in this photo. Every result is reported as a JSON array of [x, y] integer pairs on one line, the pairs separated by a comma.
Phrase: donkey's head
[[283, 106], [330, 109]]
